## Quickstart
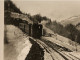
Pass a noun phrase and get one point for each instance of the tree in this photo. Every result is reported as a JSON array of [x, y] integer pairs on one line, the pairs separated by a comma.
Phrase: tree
[[37, 17], [45, 18], [10, 6], [72, 30]]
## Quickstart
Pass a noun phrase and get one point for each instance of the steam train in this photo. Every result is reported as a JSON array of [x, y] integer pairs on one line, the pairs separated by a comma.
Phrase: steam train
[[33, 30]]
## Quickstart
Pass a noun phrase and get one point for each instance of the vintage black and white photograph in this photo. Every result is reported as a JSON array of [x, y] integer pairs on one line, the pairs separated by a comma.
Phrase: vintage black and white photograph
[[41, 30]]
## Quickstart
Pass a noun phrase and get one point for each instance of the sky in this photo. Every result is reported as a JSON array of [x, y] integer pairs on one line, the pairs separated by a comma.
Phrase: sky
[[55, 10]]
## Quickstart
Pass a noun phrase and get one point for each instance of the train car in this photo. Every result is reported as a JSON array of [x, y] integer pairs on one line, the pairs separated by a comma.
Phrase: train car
[[24, 27]]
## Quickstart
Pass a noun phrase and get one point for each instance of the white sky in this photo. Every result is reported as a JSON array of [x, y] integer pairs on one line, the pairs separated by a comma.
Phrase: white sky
[[56, 10]]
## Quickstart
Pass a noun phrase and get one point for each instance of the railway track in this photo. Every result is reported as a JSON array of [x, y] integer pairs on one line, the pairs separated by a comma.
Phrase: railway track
[[69, 56], [55, 54], [64, 53]]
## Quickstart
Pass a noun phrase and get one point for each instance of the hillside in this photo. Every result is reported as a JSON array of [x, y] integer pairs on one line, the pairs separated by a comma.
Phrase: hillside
[[10, 6], [72, 20]]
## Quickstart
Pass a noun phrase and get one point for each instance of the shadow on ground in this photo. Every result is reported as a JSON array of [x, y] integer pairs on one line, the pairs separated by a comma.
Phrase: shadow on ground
[[36, 52]]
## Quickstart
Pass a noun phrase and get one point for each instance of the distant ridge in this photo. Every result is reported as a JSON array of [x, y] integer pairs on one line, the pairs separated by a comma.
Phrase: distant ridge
[[72, 20]]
